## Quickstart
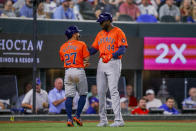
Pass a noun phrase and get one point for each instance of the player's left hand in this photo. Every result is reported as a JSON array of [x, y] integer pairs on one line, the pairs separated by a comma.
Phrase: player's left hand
[[107, 58]]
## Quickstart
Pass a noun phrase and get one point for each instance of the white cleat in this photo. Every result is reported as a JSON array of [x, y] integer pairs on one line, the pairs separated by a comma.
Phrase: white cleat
[[117, 124], [102, 124]]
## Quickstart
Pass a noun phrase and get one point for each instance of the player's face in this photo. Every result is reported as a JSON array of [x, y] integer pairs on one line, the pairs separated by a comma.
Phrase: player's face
[[105, 25], [77, 36]]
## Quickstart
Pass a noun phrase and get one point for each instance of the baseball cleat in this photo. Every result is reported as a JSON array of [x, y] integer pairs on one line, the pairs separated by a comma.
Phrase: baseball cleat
[[70, 123], [78, 121], [102, 124], [117, 124]]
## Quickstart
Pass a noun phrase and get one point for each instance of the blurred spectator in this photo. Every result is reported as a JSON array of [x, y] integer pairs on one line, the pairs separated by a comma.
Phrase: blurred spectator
[[41, 13], [154, 3], [41, 98], [194, 13], [86, 9], [18, 5], [146, 8], [190, 102], [169, 107], [2, 1], [1, 106], [185, 10], [4, 104], [117, 3], [132, 101], [105, 6], [93, 93], [56, 97], [94, 105], [64, 11], [151, 100], [124, 105], [8, 10], [27, 87], [76, 9], [58, 2], [129, 8], [169, 9], [27, 9], [193, 2], [50, 6], [141, 109]]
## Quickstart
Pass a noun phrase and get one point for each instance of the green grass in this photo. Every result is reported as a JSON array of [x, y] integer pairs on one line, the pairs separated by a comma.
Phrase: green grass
[[89, 126]]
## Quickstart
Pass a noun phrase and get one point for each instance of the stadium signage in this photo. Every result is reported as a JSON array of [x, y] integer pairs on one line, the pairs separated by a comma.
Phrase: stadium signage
[[169, 53], [18, 51], [19, 45]]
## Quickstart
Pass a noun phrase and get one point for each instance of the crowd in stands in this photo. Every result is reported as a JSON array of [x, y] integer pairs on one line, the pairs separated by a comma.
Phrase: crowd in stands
[[53, 102], [122, 10]]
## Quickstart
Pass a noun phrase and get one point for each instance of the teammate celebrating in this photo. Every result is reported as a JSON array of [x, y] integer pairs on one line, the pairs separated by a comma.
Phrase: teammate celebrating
[[111, 43], [75, 55]]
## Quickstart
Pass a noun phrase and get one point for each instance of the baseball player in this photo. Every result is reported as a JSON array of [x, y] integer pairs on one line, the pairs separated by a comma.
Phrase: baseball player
[[111, 43], [75, 55]]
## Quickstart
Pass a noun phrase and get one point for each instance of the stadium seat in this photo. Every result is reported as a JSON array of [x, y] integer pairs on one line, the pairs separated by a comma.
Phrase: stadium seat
[[125, 18], [168, 18], [147, 18]]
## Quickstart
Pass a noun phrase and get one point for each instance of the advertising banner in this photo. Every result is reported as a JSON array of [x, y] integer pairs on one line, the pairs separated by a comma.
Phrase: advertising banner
[[169, 53]]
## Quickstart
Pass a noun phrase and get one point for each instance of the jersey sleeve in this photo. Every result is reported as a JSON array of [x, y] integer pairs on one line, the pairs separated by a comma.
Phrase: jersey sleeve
[[95, 43], [122, 40], [61, 55], [85, 51]]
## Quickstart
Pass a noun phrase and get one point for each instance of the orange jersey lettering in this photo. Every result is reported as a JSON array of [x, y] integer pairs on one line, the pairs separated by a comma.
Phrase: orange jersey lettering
[[109, 42], [73, 53]]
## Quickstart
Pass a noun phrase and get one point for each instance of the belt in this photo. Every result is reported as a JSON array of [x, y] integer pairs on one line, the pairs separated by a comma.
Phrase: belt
[[74, 68]]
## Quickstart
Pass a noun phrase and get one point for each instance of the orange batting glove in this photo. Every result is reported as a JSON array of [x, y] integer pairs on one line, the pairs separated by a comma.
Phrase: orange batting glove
[[107, 58]]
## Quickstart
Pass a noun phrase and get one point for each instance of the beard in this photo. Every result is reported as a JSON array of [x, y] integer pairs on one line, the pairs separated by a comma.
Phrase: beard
[[105, 27], [78, 37], [66, 6]]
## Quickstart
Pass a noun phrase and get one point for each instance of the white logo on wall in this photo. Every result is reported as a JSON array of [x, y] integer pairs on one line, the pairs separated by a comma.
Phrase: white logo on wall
[[18, 51]]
